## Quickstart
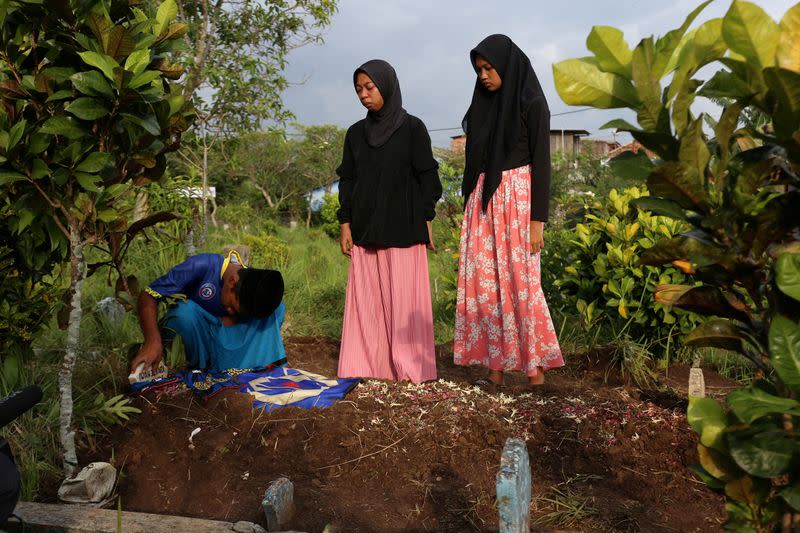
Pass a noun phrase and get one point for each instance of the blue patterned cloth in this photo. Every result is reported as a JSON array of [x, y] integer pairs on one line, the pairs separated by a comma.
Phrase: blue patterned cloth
[[296, 388], [271, 386]]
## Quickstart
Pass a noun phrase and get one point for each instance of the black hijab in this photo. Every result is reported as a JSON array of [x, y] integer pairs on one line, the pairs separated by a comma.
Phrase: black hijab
[[493, 123], [380, 125]]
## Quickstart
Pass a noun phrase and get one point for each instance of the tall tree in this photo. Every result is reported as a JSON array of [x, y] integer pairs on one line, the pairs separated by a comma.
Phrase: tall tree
[[265, 161], [88, 113], [235, 74], [318, 154]]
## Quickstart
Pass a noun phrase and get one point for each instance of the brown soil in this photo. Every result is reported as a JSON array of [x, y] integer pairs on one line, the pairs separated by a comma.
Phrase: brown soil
[[398, 457]]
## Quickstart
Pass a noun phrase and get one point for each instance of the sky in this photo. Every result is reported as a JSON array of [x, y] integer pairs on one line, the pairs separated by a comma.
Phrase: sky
[[428, 43]]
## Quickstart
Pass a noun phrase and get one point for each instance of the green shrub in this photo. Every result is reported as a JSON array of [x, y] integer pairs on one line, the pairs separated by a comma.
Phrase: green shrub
[[737, 195], [330, 223], [242, 216], [266, 251], [598, 268]]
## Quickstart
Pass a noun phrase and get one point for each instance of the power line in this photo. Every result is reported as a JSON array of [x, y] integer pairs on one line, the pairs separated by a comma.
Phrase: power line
[[553, 115]]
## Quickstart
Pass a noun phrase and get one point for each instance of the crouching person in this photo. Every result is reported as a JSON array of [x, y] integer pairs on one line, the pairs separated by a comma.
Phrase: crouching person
[[230, 318]]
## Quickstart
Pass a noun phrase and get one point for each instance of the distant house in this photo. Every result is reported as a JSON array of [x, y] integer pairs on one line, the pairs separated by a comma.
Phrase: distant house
[[567, 141], [598, 148]]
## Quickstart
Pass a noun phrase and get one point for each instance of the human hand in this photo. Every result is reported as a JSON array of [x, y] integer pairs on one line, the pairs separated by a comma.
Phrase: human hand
[[430, 244], [537, 236], [149, 354], [345, 239]]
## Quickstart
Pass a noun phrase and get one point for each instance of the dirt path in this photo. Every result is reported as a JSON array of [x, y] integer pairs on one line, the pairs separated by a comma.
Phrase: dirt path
[[399, 457]]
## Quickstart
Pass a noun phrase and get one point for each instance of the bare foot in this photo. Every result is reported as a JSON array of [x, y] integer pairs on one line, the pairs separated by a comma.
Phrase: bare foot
[[538, 379]]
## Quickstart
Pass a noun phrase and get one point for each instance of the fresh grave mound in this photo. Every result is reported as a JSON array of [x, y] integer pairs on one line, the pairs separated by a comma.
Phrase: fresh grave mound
[[402, 457]]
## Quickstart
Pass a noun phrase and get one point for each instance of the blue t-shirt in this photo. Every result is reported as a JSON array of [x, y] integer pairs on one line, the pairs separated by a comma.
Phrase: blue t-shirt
[[199, 278]]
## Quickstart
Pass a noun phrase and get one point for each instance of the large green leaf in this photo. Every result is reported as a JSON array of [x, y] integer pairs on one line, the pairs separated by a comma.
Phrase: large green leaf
[[138, 61], [704, 300], [787, 270], [15, 134], [92, 83], [143, 78], [682, 106], [119, 44], [708, 420], [610, 49], [677, 181], [712, 482], [581, 82], [148, 122], [791, 495], [652, 115], [725, 84], [619, 124], [766, 454], [741, 490], [784, 350], [175, 30], [702, 45], [38, 143], [694, 153], [166, 12], [87, 108], [717, 333], [65, 126], [787, 54], [7, 177], [749, 31], [717, 464], [88, 182], [665, 46], [632, 166], [95, 162], [25, 217], [662, 143], [659, 206], [728, 122], [39, 169], [785, 87], [683, 248], [105, 63], [751, 403]]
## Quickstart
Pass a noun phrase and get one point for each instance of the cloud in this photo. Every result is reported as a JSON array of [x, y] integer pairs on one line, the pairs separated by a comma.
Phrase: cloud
[[428, 42]]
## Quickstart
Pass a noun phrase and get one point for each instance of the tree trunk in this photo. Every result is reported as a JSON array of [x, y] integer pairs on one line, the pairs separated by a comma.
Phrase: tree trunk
[[308, 217], [205, 184], [213, 211], [67, 434], [188, 239]]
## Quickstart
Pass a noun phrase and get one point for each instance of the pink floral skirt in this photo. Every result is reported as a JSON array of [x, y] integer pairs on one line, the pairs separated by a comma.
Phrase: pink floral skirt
[[502, 319]]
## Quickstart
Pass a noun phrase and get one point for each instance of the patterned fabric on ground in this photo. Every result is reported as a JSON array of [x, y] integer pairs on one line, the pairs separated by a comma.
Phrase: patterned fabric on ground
[[502, 319], [204, 384], [296, 388], [387, 331]]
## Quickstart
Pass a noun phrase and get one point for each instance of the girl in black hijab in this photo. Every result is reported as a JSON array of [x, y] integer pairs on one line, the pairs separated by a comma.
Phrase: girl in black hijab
[[388, 189], [502, 319]]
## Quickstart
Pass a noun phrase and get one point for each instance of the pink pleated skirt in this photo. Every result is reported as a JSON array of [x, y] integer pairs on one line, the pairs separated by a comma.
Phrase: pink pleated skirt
[[502, 319], [388, 321]]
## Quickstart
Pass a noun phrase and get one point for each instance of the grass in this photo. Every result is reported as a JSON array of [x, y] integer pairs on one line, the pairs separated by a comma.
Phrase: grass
[[563, 505]]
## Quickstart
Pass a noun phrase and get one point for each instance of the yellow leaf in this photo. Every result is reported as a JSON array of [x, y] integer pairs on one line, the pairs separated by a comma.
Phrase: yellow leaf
[[623, 311], [788, 53]]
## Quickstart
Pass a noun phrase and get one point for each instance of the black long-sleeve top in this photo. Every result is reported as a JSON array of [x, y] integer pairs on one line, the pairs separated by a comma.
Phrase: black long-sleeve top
[[388, 193], [533, 147]]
